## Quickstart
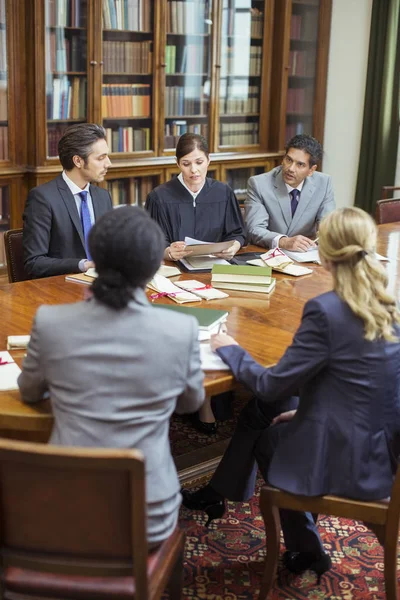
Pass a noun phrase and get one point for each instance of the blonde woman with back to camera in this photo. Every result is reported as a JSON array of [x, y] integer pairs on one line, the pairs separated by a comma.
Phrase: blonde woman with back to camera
[[326, 418]]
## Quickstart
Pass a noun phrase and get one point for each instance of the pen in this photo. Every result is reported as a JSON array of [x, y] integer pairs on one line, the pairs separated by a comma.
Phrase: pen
[[220, 330], [316, 240]]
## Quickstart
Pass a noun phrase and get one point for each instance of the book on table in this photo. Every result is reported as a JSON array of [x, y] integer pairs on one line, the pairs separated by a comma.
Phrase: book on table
[[207, 318], [247, 287], [241, 274]]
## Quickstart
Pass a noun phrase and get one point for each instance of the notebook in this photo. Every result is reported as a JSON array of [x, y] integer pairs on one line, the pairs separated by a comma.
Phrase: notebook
[[9, 372], [247, 287], [241, 274], [208, 318]]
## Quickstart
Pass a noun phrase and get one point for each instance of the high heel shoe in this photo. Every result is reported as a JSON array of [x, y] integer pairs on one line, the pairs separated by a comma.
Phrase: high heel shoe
[[202, 426], [207, 500], [297, 562]]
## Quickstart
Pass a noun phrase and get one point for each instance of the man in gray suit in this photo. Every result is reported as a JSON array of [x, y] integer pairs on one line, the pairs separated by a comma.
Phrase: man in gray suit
[[285, 205], [116, 368], [59, 214]]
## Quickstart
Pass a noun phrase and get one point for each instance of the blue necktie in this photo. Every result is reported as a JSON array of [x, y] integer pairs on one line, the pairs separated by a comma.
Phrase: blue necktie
[[86, 222], [295, 200]]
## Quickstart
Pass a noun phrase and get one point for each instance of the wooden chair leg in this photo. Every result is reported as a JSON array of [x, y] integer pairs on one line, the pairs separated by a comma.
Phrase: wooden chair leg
[[272, 532], [390, 562], [175, 583]]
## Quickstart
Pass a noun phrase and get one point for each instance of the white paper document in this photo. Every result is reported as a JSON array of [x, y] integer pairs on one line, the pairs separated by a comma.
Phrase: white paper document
[[9, 371], [309, 256], [164, 287], [210, 361], [201, 263], [17, 342], [199, 248]]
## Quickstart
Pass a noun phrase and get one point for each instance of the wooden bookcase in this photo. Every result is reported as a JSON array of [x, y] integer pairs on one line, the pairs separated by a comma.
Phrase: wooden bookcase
[[245, 73]]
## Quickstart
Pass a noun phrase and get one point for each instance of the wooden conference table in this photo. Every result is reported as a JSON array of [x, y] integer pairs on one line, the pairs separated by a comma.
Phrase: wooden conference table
[[263, 324]]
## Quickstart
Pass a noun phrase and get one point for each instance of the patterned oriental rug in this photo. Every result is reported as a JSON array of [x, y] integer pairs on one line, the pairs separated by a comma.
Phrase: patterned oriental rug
[[225, 561]]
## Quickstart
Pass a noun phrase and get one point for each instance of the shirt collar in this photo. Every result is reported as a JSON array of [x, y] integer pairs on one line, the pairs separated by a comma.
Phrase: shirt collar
[[290, 188], [75, 189], [194, 194]]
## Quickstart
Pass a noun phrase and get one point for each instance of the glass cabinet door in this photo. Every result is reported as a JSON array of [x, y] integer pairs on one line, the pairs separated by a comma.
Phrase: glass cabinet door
[[131, 190], [302, 67], [240, 78], [127, 88], [3, 84], [187, 60], [66, 67], [237, 179]]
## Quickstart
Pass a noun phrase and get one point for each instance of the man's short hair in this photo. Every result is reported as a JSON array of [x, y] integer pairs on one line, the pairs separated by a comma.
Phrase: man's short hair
[[78, 140], [308, 144]]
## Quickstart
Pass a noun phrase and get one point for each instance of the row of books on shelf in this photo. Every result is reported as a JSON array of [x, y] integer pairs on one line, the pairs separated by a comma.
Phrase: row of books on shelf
[[65, 53], [188, 100], [300, 100], [128, 57], [239, 99], [131, 190], [3, 148], [188, 16], [66, 13], [229, 61], [131, 15], [293, 129], [126, 100], [3, 100], [238, 134], [302, 62], [191, 58], [304, 26], [55, 131], [234, 21], [3, 50], [174, 130], [66, 98], [128, 139]]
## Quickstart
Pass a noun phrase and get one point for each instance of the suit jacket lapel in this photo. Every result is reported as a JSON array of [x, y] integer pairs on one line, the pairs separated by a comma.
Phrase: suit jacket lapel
[[283, 198], [305, 198], [69, 202]]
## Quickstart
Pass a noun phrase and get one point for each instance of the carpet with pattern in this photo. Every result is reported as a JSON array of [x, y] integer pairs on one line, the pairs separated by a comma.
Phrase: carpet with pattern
[[225, 561]]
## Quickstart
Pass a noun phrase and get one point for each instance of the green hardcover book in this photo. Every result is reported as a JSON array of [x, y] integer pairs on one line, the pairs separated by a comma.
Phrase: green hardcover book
[[241, 274], [263, 288], [208, 318]]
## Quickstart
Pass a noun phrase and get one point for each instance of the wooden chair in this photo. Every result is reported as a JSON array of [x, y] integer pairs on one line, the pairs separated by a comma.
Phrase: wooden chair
[[74, 526], [387, 211], [14, 255], [382, 517], [389, 190]]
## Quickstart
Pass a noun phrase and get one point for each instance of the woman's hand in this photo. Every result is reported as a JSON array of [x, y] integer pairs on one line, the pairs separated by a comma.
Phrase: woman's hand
[[284, 417], [176, 251], [220, 340], [229, 252]]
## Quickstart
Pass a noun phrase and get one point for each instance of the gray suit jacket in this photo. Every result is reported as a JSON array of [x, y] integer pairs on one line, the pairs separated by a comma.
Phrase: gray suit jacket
[[268, 211], [53, 234], [115, 378]]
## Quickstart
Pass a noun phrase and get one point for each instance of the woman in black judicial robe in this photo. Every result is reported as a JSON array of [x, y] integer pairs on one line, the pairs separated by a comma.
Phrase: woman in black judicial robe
[[194, 205]]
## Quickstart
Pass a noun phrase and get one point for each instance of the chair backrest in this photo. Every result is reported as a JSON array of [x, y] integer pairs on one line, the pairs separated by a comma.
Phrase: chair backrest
[[14, 255], [387, 211], [388, 191], [63, 508]]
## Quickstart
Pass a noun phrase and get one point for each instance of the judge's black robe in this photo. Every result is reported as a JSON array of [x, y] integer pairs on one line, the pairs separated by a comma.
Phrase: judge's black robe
[[214, 216]]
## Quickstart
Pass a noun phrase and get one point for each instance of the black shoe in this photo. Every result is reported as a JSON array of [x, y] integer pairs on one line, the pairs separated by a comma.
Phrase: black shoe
[[297, 562], [207, 500], [202, 426]]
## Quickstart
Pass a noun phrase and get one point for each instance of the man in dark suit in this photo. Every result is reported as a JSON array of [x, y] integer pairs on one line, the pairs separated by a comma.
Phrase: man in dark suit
[[59, 214]]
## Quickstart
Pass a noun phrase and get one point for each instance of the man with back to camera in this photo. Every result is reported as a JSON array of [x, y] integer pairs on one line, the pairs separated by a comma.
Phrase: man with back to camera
[[285, 205], [59, 214]]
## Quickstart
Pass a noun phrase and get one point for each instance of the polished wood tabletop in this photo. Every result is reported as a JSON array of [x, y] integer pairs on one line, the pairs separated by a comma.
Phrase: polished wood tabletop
[[263, 324]]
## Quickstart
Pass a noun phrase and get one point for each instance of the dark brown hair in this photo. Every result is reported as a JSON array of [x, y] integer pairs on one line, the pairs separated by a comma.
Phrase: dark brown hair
[[78, 140], [189, 142], [308, 144]]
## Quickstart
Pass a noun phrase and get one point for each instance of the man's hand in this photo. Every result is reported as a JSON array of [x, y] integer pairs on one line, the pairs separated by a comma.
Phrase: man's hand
[[298, 243], [88, 264], [284, 417], [229, 252], [176, 251]]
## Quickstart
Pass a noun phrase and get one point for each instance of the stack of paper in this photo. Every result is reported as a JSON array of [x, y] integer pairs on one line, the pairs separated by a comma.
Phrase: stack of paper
[[210, 361], [279, 261], [17, 342], [206, 292], [243, 277], [199, 248], [164, 287], [9, 372]]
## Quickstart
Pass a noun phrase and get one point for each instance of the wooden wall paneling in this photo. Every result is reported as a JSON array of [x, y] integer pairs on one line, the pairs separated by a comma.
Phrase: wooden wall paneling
[[324, 30]]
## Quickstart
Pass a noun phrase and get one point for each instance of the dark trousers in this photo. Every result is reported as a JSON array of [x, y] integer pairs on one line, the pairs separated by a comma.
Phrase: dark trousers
[[253, 443]]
